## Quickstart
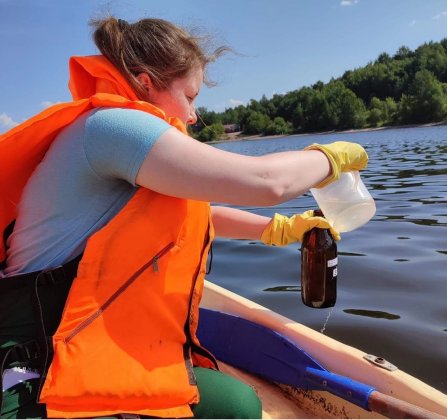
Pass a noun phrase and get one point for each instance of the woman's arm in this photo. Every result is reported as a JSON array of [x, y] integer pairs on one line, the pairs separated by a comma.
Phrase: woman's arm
[[238, 224], [180, 166]]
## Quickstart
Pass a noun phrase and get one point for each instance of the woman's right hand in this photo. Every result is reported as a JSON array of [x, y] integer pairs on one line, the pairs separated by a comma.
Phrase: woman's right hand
[[343, 157]]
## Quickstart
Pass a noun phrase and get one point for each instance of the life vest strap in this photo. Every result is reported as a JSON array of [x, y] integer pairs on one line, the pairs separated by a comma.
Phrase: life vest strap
[[61, 273], [38, 351], [5, 235]]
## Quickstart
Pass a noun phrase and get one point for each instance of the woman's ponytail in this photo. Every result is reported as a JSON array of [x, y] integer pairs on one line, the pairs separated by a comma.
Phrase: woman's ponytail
[[154, 46]]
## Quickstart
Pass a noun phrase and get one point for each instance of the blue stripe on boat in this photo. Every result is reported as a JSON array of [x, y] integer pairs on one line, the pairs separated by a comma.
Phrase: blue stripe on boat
[[261, 351]]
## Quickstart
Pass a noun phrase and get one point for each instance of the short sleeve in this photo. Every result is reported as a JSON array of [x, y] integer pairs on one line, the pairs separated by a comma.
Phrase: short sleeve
[[117, 140]]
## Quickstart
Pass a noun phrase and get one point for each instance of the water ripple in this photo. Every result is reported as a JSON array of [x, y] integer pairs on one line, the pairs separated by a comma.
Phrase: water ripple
[[402, 269], [372, 314]]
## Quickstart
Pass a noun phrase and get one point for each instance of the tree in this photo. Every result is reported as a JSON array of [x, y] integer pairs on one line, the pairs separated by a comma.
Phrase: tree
[[286, 104], [426, 101], [235, 115], [432, 57], [278, 126], [211, 133], [375, 117], [388, 90], [443, 43], [204, 118], [383, 58], [402, 53], [345, 109], [377, 80], [318, 86], [256, 123], [382, 112], [311, 111], [390, 111], [254, 105], [267, 107]]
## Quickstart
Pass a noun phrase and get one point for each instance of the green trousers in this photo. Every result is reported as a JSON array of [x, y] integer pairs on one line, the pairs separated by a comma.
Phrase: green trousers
[[221, 397]]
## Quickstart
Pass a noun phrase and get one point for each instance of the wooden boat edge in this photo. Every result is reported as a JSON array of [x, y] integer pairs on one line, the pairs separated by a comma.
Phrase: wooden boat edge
[[332, 354], [285, 402]]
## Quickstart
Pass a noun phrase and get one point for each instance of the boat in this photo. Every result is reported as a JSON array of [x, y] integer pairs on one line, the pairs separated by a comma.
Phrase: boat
[[300, 373]]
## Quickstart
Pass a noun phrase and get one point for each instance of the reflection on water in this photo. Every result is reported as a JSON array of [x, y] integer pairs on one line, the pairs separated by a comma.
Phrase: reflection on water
[[403, 250], [283, 289], [371, 314]]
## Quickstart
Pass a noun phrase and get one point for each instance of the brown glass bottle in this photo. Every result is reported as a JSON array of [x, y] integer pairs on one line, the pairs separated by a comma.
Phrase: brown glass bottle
[[319, 268]]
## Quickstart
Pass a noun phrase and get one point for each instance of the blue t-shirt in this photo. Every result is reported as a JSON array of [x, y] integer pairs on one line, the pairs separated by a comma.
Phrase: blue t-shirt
[[84, 180]]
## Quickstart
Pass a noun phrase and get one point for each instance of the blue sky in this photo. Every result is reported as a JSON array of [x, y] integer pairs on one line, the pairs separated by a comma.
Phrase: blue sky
[[283, 44]]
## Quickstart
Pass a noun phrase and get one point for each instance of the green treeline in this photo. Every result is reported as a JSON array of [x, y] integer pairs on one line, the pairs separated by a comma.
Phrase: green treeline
[[407, 88]]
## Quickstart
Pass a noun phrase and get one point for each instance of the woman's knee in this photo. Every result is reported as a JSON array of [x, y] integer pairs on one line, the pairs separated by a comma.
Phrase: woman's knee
[[249, 406], [222, 396]]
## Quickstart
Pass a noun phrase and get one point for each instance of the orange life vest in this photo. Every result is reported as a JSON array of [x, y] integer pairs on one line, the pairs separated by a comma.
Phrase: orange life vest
[[127, 339]]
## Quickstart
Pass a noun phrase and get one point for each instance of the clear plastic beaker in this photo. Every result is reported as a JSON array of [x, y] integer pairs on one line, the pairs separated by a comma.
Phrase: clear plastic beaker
[[346, 203]]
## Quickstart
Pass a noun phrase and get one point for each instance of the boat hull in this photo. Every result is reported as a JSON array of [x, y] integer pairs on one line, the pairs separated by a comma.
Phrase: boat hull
[[332, 355]]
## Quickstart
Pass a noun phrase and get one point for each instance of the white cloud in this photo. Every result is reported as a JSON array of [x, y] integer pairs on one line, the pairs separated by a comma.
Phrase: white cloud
[[6, 121], [348, 2], [46, 104], [222, 106], [236, 102], [412, 23], [440, 15]]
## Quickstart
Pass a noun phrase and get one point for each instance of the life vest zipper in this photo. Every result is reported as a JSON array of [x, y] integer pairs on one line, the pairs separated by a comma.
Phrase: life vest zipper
[[194, 347], [152, 262]]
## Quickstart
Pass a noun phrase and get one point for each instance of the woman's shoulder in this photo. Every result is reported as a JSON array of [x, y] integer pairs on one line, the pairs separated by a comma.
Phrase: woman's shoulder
[[118, 125], [121, 119], [117, 140]]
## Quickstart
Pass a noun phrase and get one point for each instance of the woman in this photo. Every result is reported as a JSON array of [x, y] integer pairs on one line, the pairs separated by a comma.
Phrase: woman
[[110, 190]]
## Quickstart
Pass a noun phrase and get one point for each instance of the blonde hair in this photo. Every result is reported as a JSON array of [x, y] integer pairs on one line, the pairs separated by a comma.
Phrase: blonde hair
[[154, 46]]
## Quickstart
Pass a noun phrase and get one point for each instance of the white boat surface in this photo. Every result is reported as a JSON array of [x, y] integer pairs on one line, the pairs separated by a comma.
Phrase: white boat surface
[[288, 401]]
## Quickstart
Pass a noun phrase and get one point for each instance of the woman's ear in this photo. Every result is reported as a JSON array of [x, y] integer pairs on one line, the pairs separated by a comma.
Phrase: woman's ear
[[146, 81]]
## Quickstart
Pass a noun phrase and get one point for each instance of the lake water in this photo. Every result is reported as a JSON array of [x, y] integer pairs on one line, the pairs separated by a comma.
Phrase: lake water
[[392, 272]]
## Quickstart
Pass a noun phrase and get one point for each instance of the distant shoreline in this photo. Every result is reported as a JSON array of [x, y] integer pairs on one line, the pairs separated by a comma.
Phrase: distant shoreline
[[235, 136]]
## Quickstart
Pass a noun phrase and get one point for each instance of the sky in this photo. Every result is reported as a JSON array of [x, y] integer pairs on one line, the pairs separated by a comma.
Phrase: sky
[[281, 45]]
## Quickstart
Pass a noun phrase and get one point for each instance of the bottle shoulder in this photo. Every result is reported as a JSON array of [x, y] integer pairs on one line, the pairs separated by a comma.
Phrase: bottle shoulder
[[318, 239]]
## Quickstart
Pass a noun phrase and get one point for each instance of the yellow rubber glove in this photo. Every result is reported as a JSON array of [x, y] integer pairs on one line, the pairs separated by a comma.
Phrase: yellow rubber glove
[[283, 230], [343, 156]]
